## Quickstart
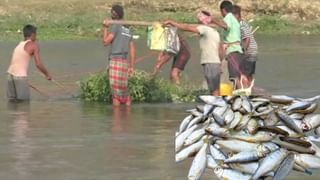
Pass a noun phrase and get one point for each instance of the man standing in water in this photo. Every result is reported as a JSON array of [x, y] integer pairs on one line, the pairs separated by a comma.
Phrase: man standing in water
[[179, 60], [249, 46], [120, 40], [211, 49], [232, 39], [18, 86]]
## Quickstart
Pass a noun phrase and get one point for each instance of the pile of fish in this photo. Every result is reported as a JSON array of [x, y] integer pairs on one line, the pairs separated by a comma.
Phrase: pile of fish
[[254, 137]]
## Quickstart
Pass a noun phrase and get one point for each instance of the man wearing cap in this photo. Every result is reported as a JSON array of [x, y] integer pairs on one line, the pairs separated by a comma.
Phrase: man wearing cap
[[120, 40], [211, 49]]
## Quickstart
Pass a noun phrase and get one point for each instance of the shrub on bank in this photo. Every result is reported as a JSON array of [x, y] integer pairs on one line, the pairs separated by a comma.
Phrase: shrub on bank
[[143, 87]]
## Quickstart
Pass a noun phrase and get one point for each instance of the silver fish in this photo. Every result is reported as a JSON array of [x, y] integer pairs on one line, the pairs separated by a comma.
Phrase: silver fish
[[189, 151], [207, 109], [237, 145], [309, 110], [184, 123], [289, 122], [195, 112], [266, 112], [258, 104], [219, 120], [290, 131], [199, 164], [216, 130], [216, 153], [259, 99], [247, 106], [248, 156], [307, 161], [281, 99], [248, 168], [194, 121], [299, 168], [296, 116], [313, 99], [230, 174], [260, 136], [252, 126], [243, 123], [194, 137], [180, 138], [236, 105], [229, 116], [270, 162], [317, 131], [220, 110], [236, 120], [271, 119], [211, 163], [300, 105], [310, 122], [285, 167], [213, 100], [294, 147], [262, 109]]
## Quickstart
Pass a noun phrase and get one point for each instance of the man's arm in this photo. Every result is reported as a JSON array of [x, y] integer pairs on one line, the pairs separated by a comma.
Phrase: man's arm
[[245, 43], [38, 62], [107, 36], [221, 51], [185, 27], [220, 23], [132, 56]]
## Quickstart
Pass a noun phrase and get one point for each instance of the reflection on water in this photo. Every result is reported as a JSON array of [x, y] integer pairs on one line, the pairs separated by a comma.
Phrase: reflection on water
[[21, 143], [120, 118]]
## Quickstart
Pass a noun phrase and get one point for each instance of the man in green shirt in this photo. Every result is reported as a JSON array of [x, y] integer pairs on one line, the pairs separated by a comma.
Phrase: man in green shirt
[[232, 39]]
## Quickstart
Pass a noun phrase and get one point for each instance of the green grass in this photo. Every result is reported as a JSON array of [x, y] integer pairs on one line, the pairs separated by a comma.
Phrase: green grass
[[81, 19]]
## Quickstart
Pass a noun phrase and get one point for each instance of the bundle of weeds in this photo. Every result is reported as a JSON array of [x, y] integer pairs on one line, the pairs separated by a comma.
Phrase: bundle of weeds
[[143, 87]]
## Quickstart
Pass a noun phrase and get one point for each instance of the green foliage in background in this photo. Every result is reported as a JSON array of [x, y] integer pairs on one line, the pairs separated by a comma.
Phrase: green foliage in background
[[143, 87]]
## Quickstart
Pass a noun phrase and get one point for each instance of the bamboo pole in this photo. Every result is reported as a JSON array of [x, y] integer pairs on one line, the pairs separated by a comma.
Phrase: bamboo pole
[[146, 23]]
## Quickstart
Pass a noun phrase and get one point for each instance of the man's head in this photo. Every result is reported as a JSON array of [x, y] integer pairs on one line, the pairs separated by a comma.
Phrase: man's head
[[237, 12], [30, 32], [226, 7], [117, 12], [204, 17]]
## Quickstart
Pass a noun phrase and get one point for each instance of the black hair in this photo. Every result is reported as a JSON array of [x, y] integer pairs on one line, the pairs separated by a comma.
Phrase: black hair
[[28, 30], [118, 9], [206, 13], [236, 10], [226, 5]]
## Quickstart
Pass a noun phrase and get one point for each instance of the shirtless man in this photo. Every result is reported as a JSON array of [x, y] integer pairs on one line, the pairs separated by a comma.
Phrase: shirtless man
[[18, 86]]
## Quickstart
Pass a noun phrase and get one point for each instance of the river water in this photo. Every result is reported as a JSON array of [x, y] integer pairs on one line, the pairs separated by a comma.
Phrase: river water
[[59, 137]]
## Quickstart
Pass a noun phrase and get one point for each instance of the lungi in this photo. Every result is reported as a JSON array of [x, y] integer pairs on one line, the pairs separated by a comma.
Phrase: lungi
[[118, 77]]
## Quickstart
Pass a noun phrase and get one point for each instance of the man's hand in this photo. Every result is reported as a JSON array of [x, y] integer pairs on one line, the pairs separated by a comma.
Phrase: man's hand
[[48, 77], [168, 22], [130, 71], [106, 23]]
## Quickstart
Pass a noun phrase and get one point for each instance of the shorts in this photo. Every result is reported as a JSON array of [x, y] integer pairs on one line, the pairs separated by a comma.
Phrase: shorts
[[212, 72], [181, 59], [248, 65], [234, 59], [18, 88]]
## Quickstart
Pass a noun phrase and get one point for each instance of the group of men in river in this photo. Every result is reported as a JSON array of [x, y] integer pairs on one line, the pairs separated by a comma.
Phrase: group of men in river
[[238, 47]]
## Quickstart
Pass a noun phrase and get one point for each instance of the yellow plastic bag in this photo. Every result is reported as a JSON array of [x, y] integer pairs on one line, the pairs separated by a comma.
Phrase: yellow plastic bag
[[156, 37]]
